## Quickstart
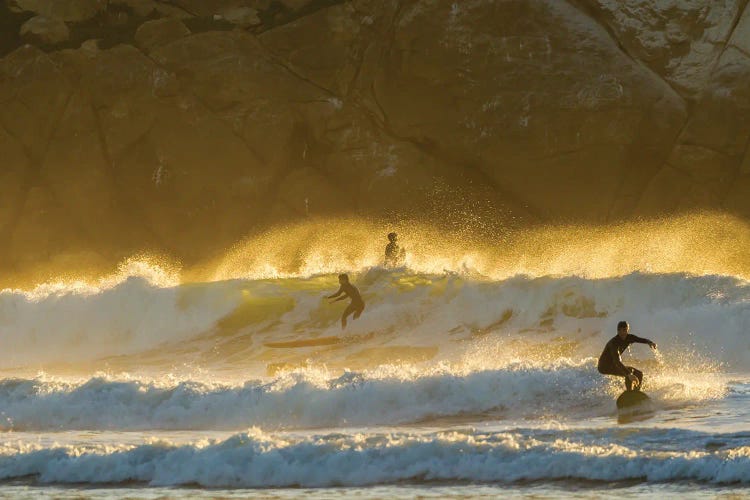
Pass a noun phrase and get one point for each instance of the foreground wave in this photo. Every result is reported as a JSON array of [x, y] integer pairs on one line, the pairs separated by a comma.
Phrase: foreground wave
[[299, 400], [255, 459], [562, 390]]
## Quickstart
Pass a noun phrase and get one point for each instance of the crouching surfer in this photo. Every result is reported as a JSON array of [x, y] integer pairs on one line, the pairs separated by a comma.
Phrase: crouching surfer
[[610, 362], [349, 291]]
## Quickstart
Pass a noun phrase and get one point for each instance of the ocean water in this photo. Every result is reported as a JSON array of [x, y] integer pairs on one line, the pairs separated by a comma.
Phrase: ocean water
[[449, 385]]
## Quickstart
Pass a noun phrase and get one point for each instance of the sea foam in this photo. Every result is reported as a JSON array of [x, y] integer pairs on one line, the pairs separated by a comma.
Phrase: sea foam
[[563, 390], [254, 459]]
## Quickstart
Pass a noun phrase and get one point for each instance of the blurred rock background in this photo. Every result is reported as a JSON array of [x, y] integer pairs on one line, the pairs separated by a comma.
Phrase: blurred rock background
[[180, 126]]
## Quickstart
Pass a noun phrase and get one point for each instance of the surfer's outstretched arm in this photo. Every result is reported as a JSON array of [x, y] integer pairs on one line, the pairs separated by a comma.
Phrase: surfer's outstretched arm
[[341, 290], [641, 340], [343, 297]]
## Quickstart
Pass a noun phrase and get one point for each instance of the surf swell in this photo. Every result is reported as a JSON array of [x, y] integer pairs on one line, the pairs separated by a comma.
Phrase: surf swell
[[240, 325], [97, 365], [562, 391], [255, 459]]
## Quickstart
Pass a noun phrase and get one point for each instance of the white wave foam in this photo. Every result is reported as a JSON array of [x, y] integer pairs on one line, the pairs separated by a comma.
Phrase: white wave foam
[[308, 399], [72, 325], [254, 459], [706, 315]]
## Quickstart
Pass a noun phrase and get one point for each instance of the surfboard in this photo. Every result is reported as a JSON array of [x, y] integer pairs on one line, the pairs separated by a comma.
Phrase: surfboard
[[633, 400], [320, 341]]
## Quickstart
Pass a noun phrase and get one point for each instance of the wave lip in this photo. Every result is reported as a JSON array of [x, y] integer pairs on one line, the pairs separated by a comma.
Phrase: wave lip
[[254, 459]]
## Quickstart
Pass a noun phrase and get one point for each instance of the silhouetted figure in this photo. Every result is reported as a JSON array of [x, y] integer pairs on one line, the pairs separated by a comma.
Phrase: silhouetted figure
[[394, 254], [610, 362], [356, 306]]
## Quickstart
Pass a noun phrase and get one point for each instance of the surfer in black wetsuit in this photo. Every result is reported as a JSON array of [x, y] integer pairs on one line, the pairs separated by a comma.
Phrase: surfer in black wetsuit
[[394, 254], [356, 306], [610, 362]]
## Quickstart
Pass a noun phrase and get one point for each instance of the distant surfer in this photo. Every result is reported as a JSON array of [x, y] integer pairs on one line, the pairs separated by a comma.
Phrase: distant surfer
[[356, 306], [394, 254], [610, 362]]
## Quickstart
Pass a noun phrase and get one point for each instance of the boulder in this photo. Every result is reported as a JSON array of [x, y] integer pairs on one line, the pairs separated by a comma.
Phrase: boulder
[[243, 17], [201, 8], [678, 39], [332, 65], [64, 10], [711, 150], [34, 91], [141, 8], [539, 95], [295, 4], [44, 30], [152, 34]]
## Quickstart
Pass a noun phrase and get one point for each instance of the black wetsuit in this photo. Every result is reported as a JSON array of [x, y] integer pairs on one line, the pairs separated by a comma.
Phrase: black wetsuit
[[392, 254], [611, 364], [356, 306]]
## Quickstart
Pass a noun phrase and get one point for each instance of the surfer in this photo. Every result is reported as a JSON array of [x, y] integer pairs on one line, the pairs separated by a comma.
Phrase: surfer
[[394, 254], [610, 362], [356, 306]]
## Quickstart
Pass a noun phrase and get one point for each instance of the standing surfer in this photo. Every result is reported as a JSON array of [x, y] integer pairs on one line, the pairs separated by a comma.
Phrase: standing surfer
[[610, 362], [356, 306], [394, 254]]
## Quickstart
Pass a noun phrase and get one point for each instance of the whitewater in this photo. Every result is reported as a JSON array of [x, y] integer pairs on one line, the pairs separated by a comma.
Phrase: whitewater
[[454, 382]]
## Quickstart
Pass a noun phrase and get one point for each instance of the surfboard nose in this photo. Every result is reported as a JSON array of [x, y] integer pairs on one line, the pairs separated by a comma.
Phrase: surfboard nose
[[630, 399]]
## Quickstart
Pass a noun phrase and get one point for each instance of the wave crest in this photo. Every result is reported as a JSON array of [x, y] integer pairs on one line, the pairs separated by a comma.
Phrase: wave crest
[[255, 459]]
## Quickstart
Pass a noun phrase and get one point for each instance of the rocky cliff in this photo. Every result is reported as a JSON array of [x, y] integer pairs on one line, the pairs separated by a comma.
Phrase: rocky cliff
[[180, 126]]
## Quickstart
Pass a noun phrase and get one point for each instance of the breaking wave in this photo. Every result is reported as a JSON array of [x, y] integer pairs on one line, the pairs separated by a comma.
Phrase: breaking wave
[[445, 342], [393, 396], [263, 327], [255, 459]]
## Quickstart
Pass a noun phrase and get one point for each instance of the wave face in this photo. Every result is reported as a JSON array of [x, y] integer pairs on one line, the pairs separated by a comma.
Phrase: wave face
[[562, 391], [256, 326], [455, 378], [141, 355], [255, 459], [303, 400]]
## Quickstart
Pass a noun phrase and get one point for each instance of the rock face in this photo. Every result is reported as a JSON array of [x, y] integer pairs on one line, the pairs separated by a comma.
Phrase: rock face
[[44, 30], [244, 17], [180, 126], [63, 10], [152, 34], [678, 39]]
